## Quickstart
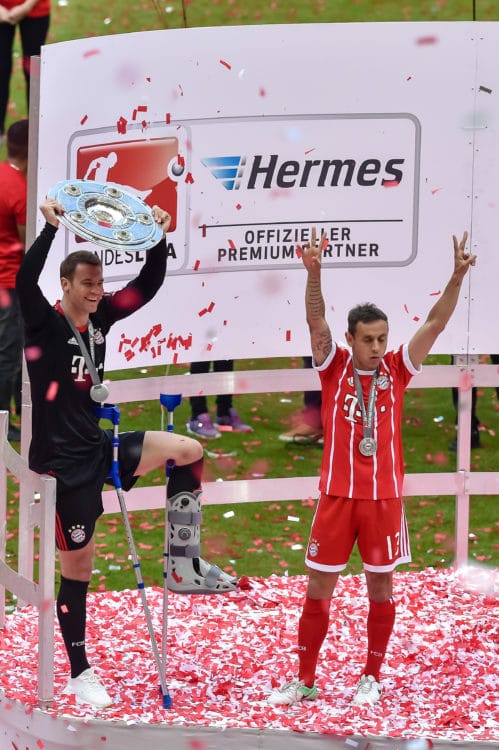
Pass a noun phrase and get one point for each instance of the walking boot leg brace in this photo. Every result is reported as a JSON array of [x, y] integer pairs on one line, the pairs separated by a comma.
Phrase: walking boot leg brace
[[188, 573]]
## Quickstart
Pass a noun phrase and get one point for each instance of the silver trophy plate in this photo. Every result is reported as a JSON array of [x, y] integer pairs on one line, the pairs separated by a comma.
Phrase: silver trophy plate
[[106, 214]]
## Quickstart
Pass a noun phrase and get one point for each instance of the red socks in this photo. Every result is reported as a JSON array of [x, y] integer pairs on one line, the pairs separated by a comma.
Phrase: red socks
[[312, 630], [380, 623], [313, 626]]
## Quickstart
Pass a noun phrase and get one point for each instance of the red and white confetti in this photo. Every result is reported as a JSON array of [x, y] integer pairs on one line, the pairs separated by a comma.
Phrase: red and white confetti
[[226, 653]]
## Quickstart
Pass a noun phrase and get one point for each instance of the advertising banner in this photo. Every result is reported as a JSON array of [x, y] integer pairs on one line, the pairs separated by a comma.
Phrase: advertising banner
[[251, 136]]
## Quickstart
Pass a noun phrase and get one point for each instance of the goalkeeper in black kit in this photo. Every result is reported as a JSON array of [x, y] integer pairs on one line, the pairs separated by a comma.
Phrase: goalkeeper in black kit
[[68, 443]]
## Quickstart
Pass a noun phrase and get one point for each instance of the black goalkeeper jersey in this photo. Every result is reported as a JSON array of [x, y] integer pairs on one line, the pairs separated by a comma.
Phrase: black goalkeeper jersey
[[66, 438]]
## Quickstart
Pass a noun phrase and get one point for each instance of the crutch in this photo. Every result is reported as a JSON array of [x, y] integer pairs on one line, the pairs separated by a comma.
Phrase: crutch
[[169, 402], [112, 412]]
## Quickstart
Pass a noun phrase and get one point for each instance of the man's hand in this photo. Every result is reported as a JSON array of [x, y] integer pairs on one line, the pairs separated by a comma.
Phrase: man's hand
[[439, 315], [51, 210], [162, 218], [462, 260], [15, 15], [311, 253]]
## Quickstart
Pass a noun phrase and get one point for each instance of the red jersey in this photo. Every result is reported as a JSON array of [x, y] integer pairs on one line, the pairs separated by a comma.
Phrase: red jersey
[[42, 7], [345, 471], [13, 197]]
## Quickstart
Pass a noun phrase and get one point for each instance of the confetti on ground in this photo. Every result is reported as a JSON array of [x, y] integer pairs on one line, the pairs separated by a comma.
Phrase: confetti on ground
[[227, 652]]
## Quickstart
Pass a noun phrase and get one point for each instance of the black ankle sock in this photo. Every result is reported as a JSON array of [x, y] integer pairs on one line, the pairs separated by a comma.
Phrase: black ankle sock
[[72, 615], [185, 478]]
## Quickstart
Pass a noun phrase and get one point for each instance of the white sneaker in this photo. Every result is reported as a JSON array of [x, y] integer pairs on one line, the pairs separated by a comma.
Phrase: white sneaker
[[87, 688], [368, 691], [291, 693]]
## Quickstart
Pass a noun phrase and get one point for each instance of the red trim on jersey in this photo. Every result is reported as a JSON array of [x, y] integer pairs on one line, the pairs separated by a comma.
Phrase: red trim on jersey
[[58, 306], [345, 472], [60, 539]]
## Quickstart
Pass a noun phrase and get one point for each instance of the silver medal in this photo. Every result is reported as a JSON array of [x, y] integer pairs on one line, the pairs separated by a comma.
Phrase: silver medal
[[99, 393], [367, 446]]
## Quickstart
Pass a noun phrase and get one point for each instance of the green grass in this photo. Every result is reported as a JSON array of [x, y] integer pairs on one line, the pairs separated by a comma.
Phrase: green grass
[[88, 18], [259, 539]]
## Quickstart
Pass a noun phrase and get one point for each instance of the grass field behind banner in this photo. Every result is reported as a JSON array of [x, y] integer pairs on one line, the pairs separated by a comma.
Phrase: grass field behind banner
[[75, 19], [265, 538], [258, 539]]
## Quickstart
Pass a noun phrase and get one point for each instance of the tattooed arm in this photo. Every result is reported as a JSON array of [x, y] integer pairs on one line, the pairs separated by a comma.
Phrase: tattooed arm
[[320, 333]]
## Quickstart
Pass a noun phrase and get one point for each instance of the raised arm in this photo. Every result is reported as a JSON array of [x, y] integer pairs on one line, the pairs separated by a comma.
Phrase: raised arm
[[34, 306], [440, 313], [143, 287], [320, 334]]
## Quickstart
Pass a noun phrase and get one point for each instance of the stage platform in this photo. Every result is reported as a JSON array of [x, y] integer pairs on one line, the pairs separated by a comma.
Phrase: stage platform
[[225, 653]]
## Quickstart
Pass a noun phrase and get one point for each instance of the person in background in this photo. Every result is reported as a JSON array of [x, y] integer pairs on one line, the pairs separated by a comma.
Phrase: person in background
[[227, 417], [13, 197], [362, 472], [307, 426], [33, 19], [475, 422]]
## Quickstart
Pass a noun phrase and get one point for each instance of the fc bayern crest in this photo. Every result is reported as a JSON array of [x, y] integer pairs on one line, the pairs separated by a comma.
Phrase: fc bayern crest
[[383, 383], [99, 337], [78, 535], [313, 549]]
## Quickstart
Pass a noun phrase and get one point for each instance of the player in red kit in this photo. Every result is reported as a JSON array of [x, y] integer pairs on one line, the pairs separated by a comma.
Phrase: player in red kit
[[362, 468]]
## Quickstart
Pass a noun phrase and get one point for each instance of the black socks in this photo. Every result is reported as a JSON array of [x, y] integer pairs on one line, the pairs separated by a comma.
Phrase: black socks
[[185, 478], [72, 615]]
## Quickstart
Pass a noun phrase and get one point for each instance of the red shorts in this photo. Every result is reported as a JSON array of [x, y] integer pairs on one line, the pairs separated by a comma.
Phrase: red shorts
[[378, 526]]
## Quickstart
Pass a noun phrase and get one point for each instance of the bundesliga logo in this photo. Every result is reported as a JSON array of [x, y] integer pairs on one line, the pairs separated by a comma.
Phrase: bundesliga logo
[[148, 168]]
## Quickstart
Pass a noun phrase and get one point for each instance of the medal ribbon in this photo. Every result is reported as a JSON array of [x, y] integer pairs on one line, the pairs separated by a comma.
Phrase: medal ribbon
[[88, 357], [367, 415]]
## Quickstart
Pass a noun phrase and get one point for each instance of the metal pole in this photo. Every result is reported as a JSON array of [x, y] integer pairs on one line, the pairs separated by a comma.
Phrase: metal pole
[[112, 412], [169, 402]]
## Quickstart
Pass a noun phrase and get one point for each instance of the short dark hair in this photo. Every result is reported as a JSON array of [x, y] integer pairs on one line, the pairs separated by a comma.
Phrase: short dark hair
[[367, 312], [17, 140], [68, 265]]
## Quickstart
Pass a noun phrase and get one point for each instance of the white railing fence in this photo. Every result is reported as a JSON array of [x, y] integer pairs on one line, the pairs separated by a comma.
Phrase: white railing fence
[[36, 511], [462, 483]]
